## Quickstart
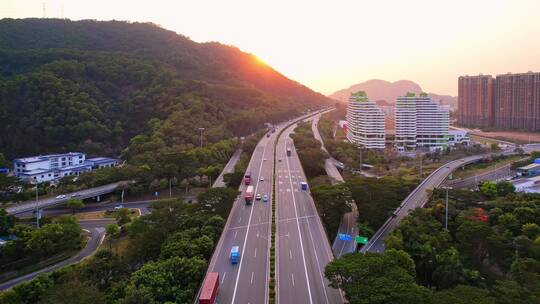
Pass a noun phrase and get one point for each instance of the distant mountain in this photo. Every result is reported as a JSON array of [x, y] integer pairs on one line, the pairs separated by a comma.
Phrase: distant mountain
[[100, 87], [384, 91]]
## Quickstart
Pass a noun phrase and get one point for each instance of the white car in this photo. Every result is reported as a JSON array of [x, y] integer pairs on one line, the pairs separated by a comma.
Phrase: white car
[[118, 207], [258, 197], [61, 196], [261, 179]]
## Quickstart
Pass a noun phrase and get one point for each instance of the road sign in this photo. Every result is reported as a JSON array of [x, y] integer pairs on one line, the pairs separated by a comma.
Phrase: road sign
[[344, 237], [361, 240]]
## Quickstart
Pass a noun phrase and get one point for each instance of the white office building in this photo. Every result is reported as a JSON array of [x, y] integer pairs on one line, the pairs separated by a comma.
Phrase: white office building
[[420, 123], [365, 122], [46, 168]]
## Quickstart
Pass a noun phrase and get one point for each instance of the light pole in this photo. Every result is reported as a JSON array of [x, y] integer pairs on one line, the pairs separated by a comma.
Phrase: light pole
[[446, 208], [201, 129], [360, 154], [37, 205]]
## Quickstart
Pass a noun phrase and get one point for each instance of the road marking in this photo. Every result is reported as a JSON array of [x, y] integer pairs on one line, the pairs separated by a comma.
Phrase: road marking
[[247, 233], [292, 279], [290, 254], [255, 252], [252, 278], [300, 234], [235, 233], [223, 277]]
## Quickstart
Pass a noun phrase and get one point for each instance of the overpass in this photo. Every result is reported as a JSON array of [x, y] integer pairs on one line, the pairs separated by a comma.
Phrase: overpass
[[49, 202]]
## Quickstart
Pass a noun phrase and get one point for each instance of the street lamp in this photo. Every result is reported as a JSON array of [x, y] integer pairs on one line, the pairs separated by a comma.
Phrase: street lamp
[[201, 129], [37, 205], [446, 208]]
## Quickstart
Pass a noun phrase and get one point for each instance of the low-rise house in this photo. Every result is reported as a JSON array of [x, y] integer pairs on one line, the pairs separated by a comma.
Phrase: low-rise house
[[47, 168]]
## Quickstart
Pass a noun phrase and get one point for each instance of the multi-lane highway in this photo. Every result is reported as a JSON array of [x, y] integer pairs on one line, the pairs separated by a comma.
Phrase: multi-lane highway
[[248, 227], [302, 248]]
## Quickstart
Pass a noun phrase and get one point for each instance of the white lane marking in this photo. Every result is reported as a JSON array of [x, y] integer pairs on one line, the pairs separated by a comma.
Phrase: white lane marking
[[252, 278], [223, 277], [300, 234], [240, 220], [247, 233], [255, 253], [235, 233], [290, 254], [318, 263], [292, 279]]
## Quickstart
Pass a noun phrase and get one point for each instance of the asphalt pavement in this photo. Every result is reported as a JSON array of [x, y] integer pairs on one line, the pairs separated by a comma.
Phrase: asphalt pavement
[[229, 167], [96, 236], [49, 202], [416, 199], [302, 248]]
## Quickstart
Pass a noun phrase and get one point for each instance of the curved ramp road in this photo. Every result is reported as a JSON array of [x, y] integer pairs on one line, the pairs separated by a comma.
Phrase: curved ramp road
[[416, 199]]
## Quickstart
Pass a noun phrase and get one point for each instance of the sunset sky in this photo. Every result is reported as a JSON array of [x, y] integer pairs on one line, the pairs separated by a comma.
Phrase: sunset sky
[[330, 45]]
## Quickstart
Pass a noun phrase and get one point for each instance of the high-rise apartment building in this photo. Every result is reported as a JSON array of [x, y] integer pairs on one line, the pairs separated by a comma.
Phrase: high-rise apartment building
[[508, 102], [420, 123], [365, 122], [475, 101], [517, 102]]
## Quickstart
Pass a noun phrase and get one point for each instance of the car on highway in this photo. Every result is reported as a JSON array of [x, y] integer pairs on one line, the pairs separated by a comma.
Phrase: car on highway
[[261, 179], [118, 207], [264, 159], [258, 197], [280, 159], [265, 198], [61, 196], [76, 195]]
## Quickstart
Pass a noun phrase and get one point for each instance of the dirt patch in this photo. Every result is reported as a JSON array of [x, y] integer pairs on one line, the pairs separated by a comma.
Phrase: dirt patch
[[94, 215], [512, 136]]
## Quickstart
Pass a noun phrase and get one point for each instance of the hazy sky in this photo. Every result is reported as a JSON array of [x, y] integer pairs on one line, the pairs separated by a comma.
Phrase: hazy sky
[[330, 45]]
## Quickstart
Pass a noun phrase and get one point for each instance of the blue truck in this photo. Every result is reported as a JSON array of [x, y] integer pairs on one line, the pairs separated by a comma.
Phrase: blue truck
[[235, 255], [303, 186]]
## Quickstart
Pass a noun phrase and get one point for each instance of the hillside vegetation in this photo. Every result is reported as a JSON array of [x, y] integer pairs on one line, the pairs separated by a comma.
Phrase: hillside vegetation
[[100, 87]]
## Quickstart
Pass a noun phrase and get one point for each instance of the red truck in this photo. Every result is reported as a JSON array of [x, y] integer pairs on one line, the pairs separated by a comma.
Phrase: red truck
[[247, 178], [249, 195], [209, 289]]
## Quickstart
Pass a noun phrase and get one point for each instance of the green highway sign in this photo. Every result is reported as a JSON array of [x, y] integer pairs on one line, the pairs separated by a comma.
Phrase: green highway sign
[[361, 240]]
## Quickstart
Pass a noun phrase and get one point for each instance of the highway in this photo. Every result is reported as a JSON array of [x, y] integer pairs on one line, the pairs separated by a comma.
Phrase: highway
[[248, 226], [302, 248], [416, 199], [229, 167], [48, 202]]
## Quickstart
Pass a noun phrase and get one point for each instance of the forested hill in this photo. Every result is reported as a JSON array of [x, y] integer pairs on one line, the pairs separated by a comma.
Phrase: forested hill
[[100, 87]]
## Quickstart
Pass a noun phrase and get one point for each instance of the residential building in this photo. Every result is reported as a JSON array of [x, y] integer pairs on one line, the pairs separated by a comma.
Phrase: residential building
[[475, 101], [420, 123], [365, 122], [508, 102], [517, 102], [47, 168]]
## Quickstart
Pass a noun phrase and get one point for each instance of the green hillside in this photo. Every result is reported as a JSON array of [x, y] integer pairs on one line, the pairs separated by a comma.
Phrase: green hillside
[[102, 87]]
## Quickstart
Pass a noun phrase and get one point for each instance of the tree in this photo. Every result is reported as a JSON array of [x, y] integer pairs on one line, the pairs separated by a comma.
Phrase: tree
[[473, 237], [332, 202], [6, 221], [376, 278], [463, 295], [488, 189], [112, 231], [531, 230], [218, 200], [504, 188], [173, 280], [74, 204], [123, 216], [74, 291]]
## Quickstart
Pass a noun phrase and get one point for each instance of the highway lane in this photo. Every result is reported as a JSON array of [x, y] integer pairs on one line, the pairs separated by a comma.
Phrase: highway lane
[[48, 202], [248, 227], [416, 199], [302, 249]]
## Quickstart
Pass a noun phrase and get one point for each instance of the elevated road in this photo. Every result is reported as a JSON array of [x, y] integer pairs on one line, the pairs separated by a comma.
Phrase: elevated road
[[417, 199], [302, 248], [49, 202]]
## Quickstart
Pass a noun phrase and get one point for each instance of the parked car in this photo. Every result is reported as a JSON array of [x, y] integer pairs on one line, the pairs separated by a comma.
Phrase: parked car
[[61, 196]]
